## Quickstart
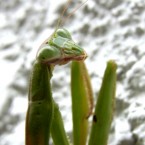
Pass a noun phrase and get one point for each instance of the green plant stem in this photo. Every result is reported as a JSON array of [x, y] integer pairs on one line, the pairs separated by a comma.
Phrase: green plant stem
[[104, 108]]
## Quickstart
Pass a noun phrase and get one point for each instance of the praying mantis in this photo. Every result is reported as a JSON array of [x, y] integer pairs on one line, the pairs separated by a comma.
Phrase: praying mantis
[[43, 117], [59, 49]]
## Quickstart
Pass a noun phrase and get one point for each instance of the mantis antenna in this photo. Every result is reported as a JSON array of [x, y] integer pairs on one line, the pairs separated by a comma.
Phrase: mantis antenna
[[64, 10], [78, 7], [59, 23]]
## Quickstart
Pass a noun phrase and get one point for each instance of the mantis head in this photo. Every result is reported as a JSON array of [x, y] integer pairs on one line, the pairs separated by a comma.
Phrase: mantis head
[[60, 49]]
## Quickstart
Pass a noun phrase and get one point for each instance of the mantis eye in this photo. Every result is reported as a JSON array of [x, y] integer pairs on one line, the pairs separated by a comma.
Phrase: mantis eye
[[63, 33]]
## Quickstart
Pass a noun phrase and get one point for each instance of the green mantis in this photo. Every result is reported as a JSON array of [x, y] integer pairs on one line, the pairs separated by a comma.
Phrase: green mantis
[[43, 117], [58, 50]]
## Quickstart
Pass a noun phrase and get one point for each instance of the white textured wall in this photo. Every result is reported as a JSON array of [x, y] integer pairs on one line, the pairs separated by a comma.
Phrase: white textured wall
[[107, 29]]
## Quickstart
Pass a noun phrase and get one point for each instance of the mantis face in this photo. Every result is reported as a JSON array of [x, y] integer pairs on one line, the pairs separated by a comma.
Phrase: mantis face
[[60, 49]]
